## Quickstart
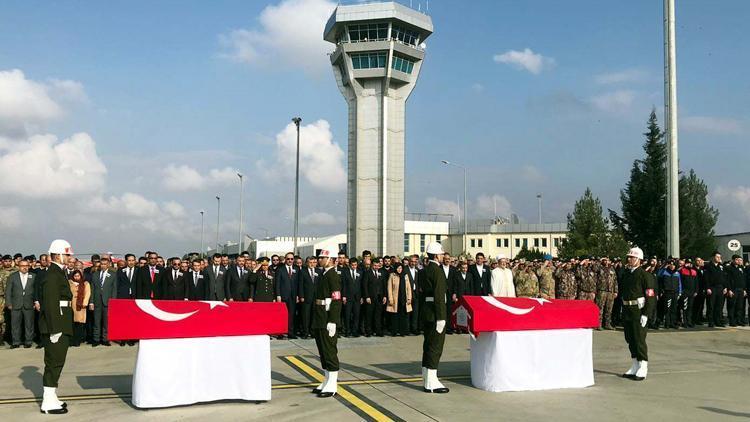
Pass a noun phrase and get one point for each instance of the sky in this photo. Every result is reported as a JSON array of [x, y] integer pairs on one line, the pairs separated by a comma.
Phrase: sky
[[121, 121]]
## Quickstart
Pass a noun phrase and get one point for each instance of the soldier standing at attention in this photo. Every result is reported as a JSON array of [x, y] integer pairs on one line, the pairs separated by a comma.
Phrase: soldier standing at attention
[[55, 325], [638, 299], [606, 291], [433, 297], [325, 319]]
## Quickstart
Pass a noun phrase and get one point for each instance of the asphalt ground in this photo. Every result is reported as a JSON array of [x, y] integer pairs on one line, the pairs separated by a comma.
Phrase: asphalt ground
[[694, 375]]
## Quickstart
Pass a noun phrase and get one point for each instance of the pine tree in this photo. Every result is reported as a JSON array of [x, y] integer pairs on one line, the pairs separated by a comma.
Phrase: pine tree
[[589, 232], [697, 217]]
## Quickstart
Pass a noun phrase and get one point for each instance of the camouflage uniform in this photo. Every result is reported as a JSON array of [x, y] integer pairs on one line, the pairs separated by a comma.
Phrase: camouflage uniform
[[566, 284], [4, 274], [606, 291], [527, 284], [546, 282], [586, 283]]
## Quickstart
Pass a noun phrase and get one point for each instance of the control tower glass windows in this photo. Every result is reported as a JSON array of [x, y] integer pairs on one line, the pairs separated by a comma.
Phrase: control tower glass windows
[[371, 60], [404, 35], [368, 32], [403, 64]]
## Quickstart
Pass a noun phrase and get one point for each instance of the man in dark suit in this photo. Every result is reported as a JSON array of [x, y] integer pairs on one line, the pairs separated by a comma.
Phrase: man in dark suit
[[372, 283], [413, 275], [481, 276], [196, 282], [147, 278], [236, 280], [450, 277], [126, 278], [103, 288], [308, 279], [172, 285], [19, 298], [286, 282], [351, 277], [215, 283]]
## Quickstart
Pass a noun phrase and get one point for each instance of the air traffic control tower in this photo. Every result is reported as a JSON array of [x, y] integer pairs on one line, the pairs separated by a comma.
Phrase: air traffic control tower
[[378, 56]]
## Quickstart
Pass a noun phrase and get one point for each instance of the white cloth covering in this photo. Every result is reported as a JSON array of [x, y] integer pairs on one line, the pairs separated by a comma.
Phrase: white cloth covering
[[532, 360], [501, 283], [174, 372]]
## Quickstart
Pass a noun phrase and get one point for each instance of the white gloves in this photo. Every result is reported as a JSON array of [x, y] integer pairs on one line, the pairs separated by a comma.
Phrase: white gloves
[[54, 338], [641, 302], [440, 326], [328, 306], [331, 327], [644, 320]]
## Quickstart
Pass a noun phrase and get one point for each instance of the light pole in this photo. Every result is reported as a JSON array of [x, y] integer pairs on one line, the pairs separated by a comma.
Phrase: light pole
[[465, 204], [239, 244], [539, 199], [670, 115], [297, 121], [201, 249], [218, 217]]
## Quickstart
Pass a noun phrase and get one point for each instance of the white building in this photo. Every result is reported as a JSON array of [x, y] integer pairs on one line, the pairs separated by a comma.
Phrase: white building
[[508, 239]]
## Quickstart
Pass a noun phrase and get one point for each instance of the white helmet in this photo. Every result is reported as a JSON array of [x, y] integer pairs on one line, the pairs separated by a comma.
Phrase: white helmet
[[501, 256], [636, 252], [435, 248], [326, 253], [60, 247]]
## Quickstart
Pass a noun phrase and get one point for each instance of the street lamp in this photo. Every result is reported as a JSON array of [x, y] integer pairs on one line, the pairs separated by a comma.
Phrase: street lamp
[[201, 249], [297, 121], [239, 244], [465, 204], [218, 217]]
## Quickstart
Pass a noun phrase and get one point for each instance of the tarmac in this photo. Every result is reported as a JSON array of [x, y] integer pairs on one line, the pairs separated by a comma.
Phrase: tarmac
[[694, 375]]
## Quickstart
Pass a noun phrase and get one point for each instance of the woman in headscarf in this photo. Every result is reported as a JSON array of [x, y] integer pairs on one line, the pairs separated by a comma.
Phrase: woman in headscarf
[[81, 294]]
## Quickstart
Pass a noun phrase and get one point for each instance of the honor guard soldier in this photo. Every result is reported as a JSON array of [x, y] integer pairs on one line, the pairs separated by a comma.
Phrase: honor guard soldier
[[638, 299], [325, 320], [55, 324], [433, 297]]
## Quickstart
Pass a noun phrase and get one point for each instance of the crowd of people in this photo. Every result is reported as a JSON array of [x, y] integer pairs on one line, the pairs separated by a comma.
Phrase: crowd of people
[[380, 295]]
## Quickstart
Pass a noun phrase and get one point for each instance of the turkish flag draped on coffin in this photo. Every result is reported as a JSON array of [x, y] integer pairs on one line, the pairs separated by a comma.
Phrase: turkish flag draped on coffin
[[487, 313], [135, 319]]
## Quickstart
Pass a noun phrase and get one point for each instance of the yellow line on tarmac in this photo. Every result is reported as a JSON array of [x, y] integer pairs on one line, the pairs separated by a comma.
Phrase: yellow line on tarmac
[[351, 398]]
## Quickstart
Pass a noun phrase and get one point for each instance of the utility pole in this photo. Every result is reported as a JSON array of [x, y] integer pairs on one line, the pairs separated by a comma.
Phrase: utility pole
[[218, 219], [670, 114], [297, 121], [239, 244], [201, 249], [539, 199]]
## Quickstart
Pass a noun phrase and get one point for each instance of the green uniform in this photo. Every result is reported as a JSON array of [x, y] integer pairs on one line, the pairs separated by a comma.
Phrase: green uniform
[[527, 285], [606, 290], [329, 287], [4, 274], [567, 287], [55, 318], [546, 282], [636, 284], [432, 309]]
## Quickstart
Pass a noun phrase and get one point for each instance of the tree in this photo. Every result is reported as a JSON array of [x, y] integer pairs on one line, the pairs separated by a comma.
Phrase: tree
[[529, 255], [644, 199], [589, 232], [697, 217], [644, 203]]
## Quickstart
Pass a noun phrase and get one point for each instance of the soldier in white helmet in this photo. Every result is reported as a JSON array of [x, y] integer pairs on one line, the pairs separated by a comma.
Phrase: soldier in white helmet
[[433, 316], [55, 324], [326, 320], [637, 300]]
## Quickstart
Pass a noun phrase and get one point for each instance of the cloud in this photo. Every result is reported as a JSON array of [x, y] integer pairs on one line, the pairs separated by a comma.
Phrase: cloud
[[532, 174], [736, 200], [23, 102], [134, 211], [615, 101], [486, 204], [318, 219], [185, 178], [434, 205], [525, 60], [627, 75], [10, 218], [43, 167], [477, 87], [290, 32], [321, 159], [67, 90], [712, 125]]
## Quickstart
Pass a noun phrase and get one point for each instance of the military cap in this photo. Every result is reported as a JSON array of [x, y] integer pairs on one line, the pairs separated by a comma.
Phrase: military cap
[[263, 259], [735, 256], [7, 257], [17, 255]]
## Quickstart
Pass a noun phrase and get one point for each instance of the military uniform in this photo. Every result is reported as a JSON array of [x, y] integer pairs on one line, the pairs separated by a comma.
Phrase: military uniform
[[325, 312], [263, 291], [606, 291], [526, 283], [566, 284], [546, 283], [587, 283], [56, 317], [432, 297], [638, 299], [4, 274]]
